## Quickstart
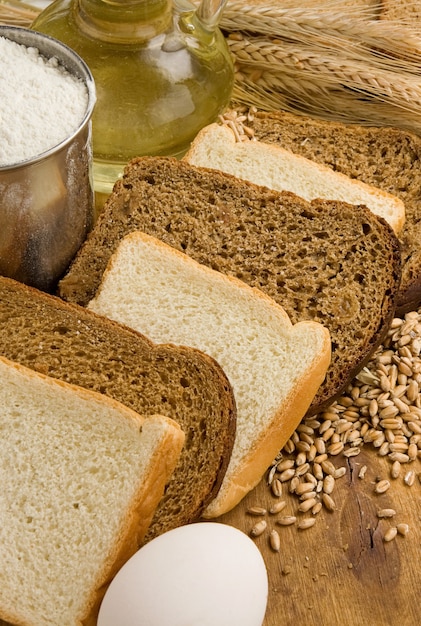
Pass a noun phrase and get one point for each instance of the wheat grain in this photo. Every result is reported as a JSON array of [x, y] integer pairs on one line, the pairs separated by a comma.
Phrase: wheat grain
[[403, 529], [286, 475], [362, 472], [257, 510], [306, 505], [277, 488], [328, 484], [328, 502], [395, 469], [306, 523], [390, 534], [275, 541], [409, 478], [317, 508], [303, 488], [258, 529], [286, 520], [386, 513], [382, 486], [277, 507]]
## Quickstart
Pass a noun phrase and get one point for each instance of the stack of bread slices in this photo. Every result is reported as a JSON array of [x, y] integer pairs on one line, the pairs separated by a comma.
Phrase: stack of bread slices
[[217, 301]]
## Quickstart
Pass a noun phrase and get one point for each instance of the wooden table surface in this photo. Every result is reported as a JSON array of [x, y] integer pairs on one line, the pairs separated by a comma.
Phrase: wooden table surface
[[341, 572]]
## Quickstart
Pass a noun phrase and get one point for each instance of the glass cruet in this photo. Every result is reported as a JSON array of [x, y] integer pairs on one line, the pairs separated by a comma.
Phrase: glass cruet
[[162, 71]]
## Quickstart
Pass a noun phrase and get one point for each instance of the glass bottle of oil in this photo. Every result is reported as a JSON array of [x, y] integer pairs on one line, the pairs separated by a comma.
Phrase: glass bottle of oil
[[162, 71]]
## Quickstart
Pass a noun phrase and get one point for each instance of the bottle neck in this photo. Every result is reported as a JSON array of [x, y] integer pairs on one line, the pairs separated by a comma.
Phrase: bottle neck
[[209, 12], [123, 21]]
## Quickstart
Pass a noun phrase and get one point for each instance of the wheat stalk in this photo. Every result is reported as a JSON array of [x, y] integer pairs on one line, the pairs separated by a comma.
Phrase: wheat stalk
[[285, 59], [354, 27], [402, 96], [333, 105], [318, 73], [14, 13], [261, 50]]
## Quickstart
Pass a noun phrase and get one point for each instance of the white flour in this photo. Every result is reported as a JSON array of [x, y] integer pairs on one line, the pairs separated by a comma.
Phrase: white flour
[[41, 104]]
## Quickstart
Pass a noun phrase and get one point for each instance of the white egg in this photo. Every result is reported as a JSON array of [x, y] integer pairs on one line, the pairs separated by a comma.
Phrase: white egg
[[204, 574]]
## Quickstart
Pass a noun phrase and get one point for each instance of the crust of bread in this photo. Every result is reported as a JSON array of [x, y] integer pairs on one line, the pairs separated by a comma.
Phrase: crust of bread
[[138, 520], [261, 163], [266, 446]]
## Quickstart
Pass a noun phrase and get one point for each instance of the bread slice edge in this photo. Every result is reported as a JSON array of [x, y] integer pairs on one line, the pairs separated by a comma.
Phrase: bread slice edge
[[277, 168]]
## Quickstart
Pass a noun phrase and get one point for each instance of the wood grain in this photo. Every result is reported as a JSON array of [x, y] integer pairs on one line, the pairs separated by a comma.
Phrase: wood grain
[[341, 572]]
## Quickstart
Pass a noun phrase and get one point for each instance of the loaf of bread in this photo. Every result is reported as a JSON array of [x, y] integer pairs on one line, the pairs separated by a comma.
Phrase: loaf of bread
[[81, 477], [77, 346], [326, 261], [275, 368], [387, 158], [216, 147]]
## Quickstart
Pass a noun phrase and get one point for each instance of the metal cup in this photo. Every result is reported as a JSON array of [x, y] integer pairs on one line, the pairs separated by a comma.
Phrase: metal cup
[[47, 202]]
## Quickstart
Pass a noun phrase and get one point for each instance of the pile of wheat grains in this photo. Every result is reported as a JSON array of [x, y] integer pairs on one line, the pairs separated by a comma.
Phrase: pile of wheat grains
[[381, 409]]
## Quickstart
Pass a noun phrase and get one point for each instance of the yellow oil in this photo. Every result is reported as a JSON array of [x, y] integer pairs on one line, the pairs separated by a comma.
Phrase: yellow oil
[[153, 95]]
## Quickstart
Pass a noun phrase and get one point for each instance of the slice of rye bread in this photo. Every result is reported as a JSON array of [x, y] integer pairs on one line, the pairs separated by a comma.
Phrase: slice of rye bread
[[332, 262], [387, 158], [80, 347]]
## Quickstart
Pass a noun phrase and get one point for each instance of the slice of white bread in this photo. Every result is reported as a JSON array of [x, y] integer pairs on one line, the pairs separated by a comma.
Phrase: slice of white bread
[[270, 165], [275, 367], [81, 477]]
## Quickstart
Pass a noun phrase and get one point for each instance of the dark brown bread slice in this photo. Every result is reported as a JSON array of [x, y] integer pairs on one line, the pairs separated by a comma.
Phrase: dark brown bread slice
[[387, 158], [327, 261], [77, 346]]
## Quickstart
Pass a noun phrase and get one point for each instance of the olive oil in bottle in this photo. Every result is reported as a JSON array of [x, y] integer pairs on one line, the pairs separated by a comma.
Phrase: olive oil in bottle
[[162, 71]]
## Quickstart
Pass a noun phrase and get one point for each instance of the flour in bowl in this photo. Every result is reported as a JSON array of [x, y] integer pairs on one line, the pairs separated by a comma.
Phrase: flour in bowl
[[41, 103]]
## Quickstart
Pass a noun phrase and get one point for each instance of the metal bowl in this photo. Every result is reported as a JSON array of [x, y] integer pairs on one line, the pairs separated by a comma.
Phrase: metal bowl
[[47, 201]]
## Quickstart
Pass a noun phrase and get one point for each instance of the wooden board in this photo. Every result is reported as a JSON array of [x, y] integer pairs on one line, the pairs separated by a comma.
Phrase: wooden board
[[341, 572]]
